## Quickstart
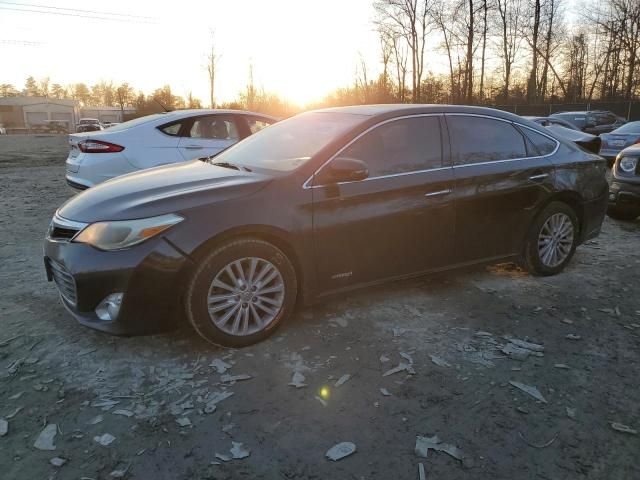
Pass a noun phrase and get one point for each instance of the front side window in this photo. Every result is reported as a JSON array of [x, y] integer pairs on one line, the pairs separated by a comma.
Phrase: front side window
[[214, 127], [257, 124], [480, 139], [400, 146]]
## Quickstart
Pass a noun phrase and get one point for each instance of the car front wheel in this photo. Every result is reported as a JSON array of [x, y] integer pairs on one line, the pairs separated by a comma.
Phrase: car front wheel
[[241, 293], [552, 240]]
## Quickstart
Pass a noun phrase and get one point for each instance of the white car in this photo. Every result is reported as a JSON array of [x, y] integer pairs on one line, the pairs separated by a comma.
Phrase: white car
[[156, 140]]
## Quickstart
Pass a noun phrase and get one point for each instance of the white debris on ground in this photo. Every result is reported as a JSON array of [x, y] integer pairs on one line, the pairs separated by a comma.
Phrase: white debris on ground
[[385, 392], [220, 365], [521, 349], [45, 440], [439, 361], [533, 391], [58, 461], [234, 378], [384, 359], [623, 428], [183, 421], [424, 444], [573, 336], [4, 427], [298, 380], [105, 439], [421, 473], [342, 380], [237, 452], [402, 367], [340, 451]]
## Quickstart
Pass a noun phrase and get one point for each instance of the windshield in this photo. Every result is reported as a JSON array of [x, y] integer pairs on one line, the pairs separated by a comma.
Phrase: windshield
[[631, 127], [286, 145]]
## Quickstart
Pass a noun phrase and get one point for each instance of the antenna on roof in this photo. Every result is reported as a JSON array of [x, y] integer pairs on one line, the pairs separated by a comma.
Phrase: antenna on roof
[[160, 103]]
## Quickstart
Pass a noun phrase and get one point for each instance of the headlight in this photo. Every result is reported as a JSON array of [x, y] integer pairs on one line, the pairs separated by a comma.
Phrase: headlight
[[125, 233], [628, 164]]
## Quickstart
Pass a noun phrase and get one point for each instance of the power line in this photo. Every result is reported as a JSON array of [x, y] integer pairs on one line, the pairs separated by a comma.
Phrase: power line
[[20, 42], [64, 14], [76, 10]]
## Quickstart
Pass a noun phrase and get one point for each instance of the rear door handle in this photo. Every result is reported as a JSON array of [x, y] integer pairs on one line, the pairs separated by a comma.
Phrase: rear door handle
[[193, 147], [539, 176], [438, 193]]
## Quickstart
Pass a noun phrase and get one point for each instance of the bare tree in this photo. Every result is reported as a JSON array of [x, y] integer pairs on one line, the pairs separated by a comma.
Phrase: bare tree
[[410, 20], [212, 65], [510, 13]]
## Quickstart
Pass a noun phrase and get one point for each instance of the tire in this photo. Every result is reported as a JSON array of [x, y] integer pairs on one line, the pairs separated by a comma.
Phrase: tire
[[619, 213], [221, 266], [535, 258]]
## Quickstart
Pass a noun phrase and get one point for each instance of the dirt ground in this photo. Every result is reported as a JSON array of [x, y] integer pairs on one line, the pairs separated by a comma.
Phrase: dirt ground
[[447, 333]]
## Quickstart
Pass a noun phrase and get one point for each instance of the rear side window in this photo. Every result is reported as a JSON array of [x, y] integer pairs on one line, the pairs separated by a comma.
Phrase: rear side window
[[214, 127], [540, 144], [172, 129], [479, 139], [400, 146]]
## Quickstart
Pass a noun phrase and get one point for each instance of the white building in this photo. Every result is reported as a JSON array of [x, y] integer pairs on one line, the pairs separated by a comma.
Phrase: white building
[[106, 114], [26, 112]]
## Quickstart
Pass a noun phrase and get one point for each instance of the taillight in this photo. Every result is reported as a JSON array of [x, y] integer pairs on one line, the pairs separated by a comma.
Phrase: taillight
[[98, 146]]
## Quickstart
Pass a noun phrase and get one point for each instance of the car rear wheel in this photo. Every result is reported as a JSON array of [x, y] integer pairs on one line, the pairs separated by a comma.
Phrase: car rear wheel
[[623, 213], [552, 240], [241, 293]]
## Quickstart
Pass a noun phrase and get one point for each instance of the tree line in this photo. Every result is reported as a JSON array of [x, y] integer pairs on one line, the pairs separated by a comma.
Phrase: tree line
[[496, 52]]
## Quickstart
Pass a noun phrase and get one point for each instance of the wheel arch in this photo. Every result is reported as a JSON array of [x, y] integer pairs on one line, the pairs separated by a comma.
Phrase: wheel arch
[[571, 198], [277, 237]]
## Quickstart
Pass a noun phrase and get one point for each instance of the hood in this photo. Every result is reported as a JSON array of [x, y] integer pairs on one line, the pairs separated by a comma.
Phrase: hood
[[161, 190], [585, 140]]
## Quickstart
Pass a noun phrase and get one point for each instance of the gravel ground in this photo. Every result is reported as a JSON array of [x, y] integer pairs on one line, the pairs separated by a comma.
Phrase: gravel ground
[[156, 395]]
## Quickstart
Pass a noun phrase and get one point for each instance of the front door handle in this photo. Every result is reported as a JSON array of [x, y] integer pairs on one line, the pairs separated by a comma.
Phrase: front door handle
[[438, 193], [540, 176], [193, 147]]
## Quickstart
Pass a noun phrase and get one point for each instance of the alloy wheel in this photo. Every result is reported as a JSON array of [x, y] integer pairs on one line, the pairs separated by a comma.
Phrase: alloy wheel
[[246, 296], [555, 240]]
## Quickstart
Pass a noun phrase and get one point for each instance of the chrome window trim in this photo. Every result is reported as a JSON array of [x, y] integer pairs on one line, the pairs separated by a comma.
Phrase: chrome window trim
[[555, 150], [306, 185]]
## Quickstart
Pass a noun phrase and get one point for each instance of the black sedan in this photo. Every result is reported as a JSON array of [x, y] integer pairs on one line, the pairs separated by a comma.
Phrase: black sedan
[[624, 193], [321, 203]]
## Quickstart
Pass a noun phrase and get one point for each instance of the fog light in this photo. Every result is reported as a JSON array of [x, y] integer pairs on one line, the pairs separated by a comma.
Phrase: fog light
[[109, 307]]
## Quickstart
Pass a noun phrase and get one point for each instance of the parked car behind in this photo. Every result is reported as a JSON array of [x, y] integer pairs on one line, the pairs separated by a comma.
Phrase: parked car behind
[[592, 143], [592, 121], [548, 121], [624, 192], [155, 140], [89, 125], [619, 139], [320, 203]]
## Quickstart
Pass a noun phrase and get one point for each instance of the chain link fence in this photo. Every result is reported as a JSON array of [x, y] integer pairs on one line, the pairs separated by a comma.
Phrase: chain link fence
[[627, 110]]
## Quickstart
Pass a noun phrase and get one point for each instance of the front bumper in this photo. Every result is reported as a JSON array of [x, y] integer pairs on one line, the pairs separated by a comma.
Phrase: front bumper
[[624, 194], [148, 274]]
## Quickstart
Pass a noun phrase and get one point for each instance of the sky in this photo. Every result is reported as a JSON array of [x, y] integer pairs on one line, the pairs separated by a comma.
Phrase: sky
[[299, 49]]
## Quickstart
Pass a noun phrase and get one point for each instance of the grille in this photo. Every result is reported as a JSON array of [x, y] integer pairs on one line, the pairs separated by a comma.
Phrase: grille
[[64, 281], [62, 233]]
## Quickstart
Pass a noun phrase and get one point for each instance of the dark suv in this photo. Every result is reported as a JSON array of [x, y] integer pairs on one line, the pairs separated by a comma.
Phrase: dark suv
[[624, 192], [321, 203], [592, 121]]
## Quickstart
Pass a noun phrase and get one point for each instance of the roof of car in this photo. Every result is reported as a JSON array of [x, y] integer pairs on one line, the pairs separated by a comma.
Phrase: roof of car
[[210, 111], [408, 109]]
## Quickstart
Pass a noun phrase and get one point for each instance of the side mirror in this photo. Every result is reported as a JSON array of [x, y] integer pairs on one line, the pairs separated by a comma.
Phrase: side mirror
[[344, 169]]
